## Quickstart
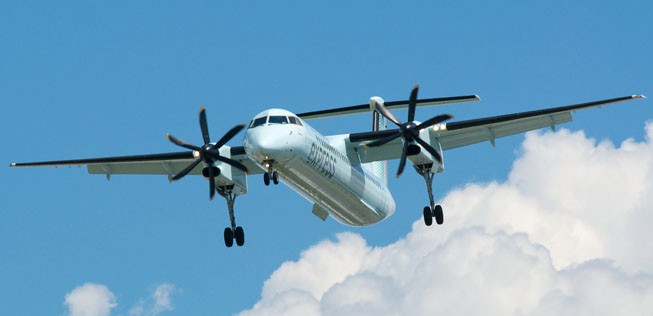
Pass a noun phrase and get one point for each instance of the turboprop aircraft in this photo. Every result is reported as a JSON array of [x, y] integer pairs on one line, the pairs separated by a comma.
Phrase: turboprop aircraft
[[343, 176]]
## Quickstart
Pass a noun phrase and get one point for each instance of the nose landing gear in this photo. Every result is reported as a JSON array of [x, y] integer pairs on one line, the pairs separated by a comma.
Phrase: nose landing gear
[[432, 211], [274, 176], [271, 174]]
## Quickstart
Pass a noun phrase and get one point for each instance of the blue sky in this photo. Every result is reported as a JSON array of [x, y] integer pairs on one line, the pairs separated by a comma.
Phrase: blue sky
[[91, 79]]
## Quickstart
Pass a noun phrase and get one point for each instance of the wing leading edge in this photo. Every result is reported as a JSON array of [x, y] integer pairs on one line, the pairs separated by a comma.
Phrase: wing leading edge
[[463, 133], [155, 164]]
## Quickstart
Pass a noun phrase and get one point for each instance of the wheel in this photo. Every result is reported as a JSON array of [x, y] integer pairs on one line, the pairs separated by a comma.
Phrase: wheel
[[239, 234], [439, 214], [266, 178], [228, 237], [275, 177], [428, 216]]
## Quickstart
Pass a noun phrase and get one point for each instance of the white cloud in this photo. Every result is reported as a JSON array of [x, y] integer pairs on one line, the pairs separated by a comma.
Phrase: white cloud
[[159, 301], [97, 300], [566, 234], [90, 300]]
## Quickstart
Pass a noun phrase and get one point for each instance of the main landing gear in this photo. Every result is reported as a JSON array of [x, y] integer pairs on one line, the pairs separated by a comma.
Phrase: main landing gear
[[432, 211], [234, 232]]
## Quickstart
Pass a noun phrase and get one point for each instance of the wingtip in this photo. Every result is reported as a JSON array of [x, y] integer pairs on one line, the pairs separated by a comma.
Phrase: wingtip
[[639, 96], [11, 165]]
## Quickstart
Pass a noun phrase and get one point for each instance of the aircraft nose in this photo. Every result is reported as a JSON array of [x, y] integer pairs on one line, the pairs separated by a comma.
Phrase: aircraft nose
[[267, 144]]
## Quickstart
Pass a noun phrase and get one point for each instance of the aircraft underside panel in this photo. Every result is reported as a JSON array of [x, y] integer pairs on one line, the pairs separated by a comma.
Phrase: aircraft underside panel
[[348, 195]]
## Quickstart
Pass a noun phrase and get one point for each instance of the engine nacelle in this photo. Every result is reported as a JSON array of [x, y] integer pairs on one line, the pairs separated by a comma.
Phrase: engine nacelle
[[216, 171], [419, 156]]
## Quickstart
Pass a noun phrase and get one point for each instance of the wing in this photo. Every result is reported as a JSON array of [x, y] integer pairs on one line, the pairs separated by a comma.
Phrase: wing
[[462, 133], [163, 164]]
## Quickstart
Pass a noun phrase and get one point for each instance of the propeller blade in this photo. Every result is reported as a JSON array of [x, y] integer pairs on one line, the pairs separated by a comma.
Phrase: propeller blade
[[211, 183], [434, 120], [182, 143], [402, 161], [186, 170], [430, 149], [204, 126], [229, 161], [229, 135], [381, 109], [412, 103], [383, 141]]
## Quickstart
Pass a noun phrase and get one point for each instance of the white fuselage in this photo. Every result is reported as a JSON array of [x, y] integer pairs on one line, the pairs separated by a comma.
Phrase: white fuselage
[[320, 169]]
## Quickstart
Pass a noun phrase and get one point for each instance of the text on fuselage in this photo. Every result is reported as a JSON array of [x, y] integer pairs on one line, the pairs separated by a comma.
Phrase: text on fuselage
[[322, 160]]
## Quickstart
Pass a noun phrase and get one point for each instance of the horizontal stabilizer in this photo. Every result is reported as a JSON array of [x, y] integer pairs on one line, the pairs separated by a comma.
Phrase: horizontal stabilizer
[[390, 105]]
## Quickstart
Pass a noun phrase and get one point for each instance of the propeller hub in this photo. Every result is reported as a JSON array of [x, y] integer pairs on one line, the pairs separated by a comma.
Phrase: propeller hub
[[206, 148], [409, 131]]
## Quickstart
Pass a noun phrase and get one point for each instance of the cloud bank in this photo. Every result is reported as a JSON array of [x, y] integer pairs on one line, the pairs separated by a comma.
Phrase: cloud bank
[[566, 234]]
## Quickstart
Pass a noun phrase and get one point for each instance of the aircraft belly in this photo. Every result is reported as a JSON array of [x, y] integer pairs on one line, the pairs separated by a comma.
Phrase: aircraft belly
[[339, 194]]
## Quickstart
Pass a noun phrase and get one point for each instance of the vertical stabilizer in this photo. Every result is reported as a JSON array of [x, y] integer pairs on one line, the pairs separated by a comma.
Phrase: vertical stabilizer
[[379, 123]]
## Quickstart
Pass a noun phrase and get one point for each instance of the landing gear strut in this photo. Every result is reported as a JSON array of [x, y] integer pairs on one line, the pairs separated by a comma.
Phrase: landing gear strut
[[432, 210], [234, 232]]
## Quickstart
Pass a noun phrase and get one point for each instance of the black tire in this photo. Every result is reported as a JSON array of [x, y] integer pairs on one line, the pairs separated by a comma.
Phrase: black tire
[[428, 216], [239, 234], [266, 178], [275, 177], [228, 237], [439, 214]]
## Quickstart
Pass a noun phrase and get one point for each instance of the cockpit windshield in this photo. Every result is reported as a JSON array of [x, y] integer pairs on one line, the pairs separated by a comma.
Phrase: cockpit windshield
[[258, 122], [275, 119]]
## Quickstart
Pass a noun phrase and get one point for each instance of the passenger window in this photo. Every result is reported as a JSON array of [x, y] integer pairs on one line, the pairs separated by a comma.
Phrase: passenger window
[[258, 122], [278, 120]]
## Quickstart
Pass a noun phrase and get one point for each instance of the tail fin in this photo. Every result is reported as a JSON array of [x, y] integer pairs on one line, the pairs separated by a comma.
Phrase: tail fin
[[379, 123]]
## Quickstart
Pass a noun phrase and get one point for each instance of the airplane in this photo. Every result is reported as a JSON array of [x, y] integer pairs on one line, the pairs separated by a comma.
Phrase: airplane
[[342, 176]]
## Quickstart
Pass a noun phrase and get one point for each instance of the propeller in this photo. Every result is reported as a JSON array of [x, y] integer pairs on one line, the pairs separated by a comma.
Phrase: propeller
[[409, 131], [208, 153]]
